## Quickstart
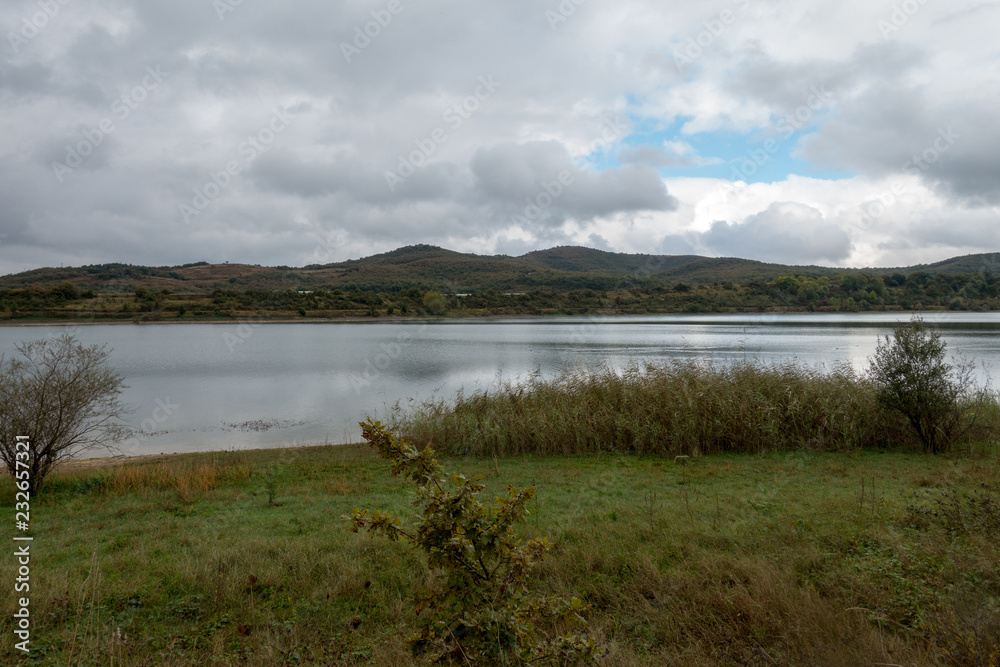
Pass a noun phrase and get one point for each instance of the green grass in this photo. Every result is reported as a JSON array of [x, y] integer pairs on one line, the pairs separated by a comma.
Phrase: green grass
[[782, 558]]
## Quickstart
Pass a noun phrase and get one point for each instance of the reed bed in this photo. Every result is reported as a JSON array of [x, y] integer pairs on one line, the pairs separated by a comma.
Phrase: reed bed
[[677, 408]]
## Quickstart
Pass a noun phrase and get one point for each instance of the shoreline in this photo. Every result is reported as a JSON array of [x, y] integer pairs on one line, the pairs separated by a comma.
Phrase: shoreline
[[96, 462], [228, 320], [524, 316]]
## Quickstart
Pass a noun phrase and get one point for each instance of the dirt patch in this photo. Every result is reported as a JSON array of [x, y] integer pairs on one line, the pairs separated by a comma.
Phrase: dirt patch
[[109, 461], [112, 461]]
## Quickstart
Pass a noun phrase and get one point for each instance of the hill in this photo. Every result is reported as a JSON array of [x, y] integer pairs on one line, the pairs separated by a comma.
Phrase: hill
[[431, 267], [688, 268], [988, 262]]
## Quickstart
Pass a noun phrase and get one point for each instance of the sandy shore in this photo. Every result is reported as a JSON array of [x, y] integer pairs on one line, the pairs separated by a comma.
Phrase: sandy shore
[[227, 320], [110, 461]]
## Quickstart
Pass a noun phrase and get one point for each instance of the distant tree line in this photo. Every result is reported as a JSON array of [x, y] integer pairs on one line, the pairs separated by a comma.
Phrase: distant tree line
[[850, 292]]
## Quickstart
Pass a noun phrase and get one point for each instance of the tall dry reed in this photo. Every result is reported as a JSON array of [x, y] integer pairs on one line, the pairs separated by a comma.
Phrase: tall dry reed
[[673, 408]]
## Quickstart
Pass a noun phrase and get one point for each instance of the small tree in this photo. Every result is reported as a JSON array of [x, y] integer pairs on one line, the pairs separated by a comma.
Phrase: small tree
[[479, 612], [434, 303], [64, 397], [912, 377]]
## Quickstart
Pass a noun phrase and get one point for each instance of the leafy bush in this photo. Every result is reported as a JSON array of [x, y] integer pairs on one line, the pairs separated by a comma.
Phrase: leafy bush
[[978, 512], [479, 612], [912, 377], [434, 303], [966, 634]]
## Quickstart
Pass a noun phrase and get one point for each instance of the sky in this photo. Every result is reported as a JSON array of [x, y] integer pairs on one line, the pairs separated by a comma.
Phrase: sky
[[161, 132]]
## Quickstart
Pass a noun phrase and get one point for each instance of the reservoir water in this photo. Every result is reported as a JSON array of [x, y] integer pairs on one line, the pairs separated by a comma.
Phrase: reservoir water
[[201, 387]]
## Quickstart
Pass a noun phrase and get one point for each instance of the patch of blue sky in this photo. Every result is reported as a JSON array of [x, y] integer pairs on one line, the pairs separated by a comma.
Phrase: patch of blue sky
[[762, 156]]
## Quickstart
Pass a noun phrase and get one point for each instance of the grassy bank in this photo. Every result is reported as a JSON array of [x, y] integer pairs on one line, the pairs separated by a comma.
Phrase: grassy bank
[[777, 559], [671, 409]]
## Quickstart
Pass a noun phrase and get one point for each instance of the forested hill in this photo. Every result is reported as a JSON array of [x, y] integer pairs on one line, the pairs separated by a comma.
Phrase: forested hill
[[430, 267], [420, 281]]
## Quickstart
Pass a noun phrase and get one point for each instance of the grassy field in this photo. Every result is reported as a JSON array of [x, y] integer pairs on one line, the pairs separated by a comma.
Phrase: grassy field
[[786, 558]]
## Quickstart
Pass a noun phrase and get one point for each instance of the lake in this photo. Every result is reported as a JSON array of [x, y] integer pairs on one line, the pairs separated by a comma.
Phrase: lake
[[201, 387]]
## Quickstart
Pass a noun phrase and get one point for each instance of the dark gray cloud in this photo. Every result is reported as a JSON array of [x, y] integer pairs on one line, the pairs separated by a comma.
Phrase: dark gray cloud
[[785, 232], [541, 176], [599, 242], [947, 143], [979, 229], [824, 83], [676, 244]]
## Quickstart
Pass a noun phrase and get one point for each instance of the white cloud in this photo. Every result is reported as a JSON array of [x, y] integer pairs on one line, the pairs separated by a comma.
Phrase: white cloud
[[564, 94]]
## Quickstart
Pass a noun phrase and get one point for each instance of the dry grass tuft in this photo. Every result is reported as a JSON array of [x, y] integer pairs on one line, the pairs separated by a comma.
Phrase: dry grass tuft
[[187, 480]]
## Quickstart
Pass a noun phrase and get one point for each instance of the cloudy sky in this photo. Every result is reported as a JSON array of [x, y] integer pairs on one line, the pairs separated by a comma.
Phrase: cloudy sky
[[852, 133]]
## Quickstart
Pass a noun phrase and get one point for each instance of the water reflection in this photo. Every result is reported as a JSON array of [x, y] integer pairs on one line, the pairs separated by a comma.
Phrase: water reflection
[[317, 380]]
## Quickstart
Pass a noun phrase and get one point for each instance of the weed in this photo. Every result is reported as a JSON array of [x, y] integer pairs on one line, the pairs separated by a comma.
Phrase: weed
[[977, 512], [271, 485], [869, 501], [652, 506], [966, 634], [479, 611]]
